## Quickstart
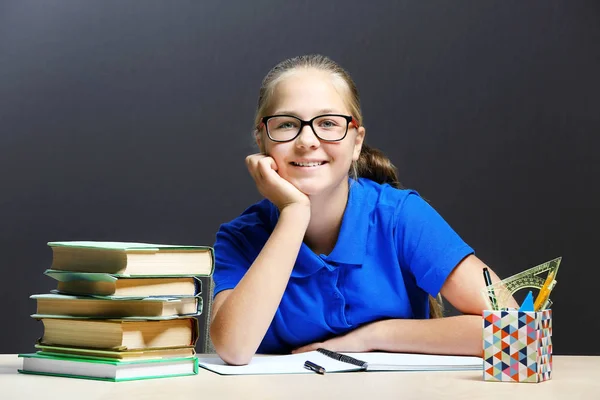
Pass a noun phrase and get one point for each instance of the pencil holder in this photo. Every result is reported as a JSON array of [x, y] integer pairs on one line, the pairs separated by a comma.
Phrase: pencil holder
[[517, 346]]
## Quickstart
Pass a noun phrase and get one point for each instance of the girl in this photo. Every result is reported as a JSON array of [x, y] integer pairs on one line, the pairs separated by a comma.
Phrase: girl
[[336, 256]]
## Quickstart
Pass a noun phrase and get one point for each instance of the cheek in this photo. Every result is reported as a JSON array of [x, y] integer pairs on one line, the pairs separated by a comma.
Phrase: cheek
[[266, 147], [347, 154], [276, 152]]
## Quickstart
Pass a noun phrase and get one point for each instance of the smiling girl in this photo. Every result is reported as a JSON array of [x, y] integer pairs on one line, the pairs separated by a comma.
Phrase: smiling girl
[[336, 255]]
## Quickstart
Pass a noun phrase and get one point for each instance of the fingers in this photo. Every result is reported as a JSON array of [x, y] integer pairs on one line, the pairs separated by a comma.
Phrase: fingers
[[261, 166], [270, 184], [252, 164], [267, 168], [273, 164], [252, 161]]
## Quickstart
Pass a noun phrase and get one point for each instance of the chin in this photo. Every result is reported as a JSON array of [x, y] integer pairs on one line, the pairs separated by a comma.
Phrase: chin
[[308, 186], [309, 189], [313, 187]]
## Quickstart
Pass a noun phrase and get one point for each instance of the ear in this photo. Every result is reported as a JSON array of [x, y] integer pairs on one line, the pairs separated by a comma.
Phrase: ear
[[358, 142], [259, 141], [257, 137]]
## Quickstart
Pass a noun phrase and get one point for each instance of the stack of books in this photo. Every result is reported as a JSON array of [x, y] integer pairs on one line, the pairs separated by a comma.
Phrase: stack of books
[[121, 311]]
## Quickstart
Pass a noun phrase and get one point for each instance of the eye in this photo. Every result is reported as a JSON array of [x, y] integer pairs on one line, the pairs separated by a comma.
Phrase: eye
[[286, 125], [328, 123], [283, 123]]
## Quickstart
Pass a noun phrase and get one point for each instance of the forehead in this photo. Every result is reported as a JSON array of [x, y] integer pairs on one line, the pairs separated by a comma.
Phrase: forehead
[[306, 91]]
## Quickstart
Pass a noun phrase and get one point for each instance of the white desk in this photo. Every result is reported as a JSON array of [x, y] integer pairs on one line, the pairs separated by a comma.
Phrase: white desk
[[575, 377]]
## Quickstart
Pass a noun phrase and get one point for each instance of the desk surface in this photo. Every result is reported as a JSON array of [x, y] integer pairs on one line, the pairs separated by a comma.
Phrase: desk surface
[[574, 377]]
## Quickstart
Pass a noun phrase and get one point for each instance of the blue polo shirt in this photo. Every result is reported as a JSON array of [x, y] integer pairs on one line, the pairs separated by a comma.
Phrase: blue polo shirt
[[393, 249]]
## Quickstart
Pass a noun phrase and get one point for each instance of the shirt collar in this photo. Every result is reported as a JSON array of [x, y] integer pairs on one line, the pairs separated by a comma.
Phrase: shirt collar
[[351, 244]]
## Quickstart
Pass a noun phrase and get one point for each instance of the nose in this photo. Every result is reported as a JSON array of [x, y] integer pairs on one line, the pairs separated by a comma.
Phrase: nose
[[307, 138]]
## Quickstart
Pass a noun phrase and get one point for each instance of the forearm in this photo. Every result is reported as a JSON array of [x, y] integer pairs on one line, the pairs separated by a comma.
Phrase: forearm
[[459, 335], [243, 319]]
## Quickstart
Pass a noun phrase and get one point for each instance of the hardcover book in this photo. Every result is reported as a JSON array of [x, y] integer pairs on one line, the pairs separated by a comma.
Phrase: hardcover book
[[107, 370], [132, 259]]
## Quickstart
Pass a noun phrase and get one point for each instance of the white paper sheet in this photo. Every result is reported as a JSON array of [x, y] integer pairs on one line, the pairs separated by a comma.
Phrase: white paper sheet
[[294, 363]]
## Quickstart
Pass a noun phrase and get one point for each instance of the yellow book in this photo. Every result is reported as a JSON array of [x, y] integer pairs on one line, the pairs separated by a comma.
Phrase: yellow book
[[123, 355], [131, 259], [99, 307], [119, 334], [99, 284]]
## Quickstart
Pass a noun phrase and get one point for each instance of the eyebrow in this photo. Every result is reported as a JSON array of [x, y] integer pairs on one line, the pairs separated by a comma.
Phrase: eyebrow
[[322, 111]]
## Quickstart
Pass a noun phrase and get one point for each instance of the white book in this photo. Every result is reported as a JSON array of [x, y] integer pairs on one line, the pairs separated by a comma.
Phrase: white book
[[294, 363]]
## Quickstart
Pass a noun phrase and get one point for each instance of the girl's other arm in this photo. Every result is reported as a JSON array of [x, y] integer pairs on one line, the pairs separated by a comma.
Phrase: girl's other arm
[[458, 335], [451, 335]]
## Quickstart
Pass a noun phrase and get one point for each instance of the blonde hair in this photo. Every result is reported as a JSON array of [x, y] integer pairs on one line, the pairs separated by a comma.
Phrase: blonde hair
[[372, 163]]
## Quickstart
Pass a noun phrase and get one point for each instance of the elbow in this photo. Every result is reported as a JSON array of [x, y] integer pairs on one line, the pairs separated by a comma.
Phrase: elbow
[[233, 357], [230, 350]]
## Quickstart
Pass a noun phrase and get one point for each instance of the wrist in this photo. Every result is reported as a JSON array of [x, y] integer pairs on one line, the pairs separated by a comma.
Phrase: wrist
[[372, 334], [297, 211]]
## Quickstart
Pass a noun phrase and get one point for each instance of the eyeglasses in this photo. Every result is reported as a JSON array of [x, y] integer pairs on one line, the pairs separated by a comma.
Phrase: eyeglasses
[[327, 127]]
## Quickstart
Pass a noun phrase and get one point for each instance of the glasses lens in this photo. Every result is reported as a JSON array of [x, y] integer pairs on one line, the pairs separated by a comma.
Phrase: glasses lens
[[330, 127], [283, 128]]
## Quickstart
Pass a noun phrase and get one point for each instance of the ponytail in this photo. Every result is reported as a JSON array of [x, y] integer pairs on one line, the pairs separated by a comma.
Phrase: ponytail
[[374, 165]]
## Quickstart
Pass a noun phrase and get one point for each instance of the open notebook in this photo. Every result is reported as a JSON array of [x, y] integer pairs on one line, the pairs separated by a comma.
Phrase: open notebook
[[294, 363]]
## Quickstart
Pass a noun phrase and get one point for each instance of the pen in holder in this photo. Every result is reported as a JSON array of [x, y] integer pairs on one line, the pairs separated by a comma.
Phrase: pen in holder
[[517, 346]]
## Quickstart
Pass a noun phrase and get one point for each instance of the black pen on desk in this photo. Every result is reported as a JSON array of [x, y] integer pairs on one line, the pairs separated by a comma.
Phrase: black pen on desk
[[343, 358], [488, 283], [314, 367]]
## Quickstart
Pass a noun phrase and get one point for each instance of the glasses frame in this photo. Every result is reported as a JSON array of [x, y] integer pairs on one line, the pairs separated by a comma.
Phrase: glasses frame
[[349, 119]]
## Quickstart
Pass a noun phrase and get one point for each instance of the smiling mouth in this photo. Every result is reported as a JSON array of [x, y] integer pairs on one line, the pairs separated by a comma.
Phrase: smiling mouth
[[308, 164]]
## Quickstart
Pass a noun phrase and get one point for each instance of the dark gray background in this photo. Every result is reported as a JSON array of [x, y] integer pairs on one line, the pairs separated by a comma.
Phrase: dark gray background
[[130, 120]]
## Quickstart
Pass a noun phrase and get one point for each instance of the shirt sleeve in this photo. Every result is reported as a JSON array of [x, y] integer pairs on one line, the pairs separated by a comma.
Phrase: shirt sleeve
[[231, 258], [427, 246]]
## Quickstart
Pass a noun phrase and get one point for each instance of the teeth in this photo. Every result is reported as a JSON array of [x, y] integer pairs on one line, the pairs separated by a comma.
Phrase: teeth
[[308, 164]]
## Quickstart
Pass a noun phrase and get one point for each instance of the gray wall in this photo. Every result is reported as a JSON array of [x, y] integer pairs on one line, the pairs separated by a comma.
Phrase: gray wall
[[130, 120]]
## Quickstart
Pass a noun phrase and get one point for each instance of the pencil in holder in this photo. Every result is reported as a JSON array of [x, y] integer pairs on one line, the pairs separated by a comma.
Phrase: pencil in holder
[[517, 346]]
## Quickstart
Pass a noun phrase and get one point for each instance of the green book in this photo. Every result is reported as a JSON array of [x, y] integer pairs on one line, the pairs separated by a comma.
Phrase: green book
[[132, 259], [107, 370]]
